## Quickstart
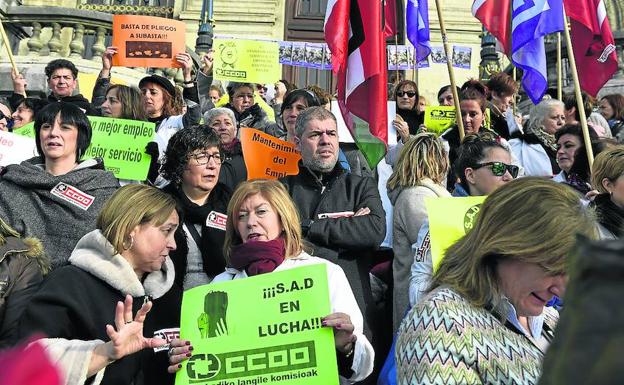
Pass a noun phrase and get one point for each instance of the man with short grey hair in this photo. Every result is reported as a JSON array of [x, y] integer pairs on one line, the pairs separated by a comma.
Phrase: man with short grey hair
[[341, 213]]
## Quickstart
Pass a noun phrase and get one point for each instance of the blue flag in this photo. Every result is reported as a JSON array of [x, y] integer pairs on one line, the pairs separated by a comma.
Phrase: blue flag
[[531, 21], [417, 19]]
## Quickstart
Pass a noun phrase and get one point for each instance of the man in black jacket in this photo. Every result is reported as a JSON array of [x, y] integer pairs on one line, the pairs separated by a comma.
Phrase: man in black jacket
[[62, 78], [342, 215]]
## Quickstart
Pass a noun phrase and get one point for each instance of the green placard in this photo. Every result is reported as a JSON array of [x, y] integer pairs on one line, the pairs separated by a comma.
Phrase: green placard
[[26, 130], [264, 329], [121, 143]]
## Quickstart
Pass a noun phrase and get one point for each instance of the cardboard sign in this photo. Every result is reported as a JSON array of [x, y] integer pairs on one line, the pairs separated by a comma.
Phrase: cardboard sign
[[15, 148], [449, 220], [264, 329], [27, 130], [267, 157], [252, 61], [121, 144], [146, 41]]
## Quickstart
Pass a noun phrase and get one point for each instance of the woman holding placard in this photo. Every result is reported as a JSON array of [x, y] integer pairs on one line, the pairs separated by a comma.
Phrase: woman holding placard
[[263, 234], [56, 196]]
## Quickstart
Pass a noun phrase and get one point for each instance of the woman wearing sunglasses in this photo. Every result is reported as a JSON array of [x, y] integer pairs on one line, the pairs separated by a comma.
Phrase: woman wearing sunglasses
[[483, 165], [408, 118]]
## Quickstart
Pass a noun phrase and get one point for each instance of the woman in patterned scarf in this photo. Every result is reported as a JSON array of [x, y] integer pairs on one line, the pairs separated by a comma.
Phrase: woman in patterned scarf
[[485, 320]]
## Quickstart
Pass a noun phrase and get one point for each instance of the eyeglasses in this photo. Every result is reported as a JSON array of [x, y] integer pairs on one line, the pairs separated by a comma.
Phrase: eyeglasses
[[410, 94], [499, 168], [204, 158]]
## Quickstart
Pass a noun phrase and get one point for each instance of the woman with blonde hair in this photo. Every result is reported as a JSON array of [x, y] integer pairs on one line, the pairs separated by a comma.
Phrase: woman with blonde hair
[[484, 319], [608, 178], [124, 261], [420, 173], [263, 234]]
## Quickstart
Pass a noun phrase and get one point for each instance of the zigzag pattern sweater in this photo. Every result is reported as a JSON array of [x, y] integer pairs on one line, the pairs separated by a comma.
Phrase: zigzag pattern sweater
[[446, 340]]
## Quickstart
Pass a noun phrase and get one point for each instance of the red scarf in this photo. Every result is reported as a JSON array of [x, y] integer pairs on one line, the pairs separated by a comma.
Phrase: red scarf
[[258, 257]]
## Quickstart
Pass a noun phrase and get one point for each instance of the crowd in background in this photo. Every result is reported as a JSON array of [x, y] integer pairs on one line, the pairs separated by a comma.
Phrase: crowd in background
[[100, 279]]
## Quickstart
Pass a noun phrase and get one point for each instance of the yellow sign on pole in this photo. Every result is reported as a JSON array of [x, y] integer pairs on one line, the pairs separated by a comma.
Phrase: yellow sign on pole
[[251, 61], [449, 220]]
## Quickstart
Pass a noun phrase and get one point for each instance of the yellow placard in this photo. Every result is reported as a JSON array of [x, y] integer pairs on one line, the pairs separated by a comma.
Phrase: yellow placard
[[250, 61], [267, 157], [449, 220], [439, 118]]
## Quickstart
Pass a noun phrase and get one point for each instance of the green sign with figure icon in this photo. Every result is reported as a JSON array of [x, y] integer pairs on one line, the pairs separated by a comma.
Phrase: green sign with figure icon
[[264, 329]]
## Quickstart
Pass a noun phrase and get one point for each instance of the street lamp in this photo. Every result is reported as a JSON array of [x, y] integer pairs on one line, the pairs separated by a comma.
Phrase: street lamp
[[205, 32]]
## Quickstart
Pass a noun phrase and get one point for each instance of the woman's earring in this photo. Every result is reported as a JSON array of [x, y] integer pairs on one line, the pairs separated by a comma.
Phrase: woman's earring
[[131, 244]]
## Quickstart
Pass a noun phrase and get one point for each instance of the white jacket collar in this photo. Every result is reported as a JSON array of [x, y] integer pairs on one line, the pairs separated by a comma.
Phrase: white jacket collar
[[95, 255]]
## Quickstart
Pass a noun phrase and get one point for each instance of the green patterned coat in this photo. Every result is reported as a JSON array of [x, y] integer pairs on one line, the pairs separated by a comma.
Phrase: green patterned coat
[[446, 340]]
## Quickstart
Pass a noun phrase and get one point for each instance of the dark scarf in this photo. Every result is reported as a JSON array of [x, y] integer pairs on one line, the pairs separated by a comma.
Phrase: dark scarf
[[578, 183], [610, 215], [232, 148], [258, 257], [196, 214]]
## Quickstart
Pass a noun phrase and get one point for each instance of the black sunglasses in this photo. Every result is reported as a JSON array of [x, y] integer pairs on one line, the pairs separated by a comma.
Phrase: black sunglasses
[[499, 168], [410, 94]]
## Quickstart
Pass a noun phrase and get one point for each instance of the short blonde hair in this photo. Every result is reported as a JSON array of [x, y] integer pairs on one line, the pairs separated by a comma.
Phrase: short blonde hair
[[275, 193], [423, 156], [608, 164], [130, 206], [533, 220]]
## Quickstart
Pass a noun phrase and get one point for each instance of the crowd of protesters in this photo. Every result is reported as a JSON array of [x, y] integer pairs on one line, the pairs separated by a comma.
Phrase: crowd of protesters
[[98, 279]]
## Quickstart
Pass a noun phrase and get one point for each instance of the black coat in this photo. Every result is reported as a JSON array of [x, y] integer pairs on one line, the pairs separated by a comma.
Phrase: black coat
[[75, 304], [346, 241], [233, 169]]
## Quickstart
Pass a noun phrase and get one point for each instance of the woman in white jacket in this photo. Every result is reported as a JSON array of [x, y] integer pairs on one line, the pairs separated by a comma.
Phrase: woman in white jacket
[[263, 234], [420, 173]]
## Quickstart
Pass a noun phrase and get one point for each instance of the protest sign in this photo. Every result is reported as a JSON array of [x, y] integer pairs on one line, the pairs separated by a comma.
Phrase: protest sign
[[251, 61], [266, 156], [27, 130], [264, 329], [449, 220], [146, 41], [121, 144], [15, 148], [439, 118]]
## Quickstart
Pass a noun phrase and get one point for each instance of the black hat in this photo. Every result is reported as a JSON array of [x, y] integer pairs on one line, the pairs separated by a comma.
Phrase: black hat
[[161, 81]]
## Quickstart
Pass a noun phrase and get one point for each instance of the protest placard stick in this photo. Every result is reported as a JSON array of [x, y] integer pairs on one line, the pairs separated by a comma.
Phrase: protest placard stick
[[7, 45], [559, 69], [396, 55], [514, 74], [577, 93], [449, 65]]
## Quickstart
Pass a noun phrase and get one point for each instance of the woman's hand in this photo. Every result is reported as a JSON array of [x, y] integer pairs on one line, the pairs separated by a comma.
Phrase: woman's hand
[[591, 195], [187, 65], [127, 335], [107, 57], [402, 128], [208, 60], [343, 331], [19, 83], [179, 351], [125, 338]]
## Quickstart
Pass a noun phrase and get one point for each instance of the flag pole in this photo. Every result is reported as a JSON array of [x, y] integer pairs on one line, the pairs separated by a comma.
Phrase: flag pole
[[449, 65], [559, 68], [396, 55], [514, 74], [7, 45], [577, 92]]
